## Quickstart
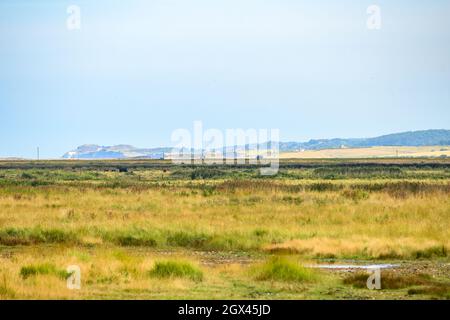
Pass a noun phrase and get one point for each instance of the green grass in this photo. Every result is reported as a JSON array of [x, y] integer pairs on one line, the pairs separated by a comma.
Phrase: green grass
[[43, 269], [131, 238], [29, 236], [283, 269], [188, 240], [176, 269]]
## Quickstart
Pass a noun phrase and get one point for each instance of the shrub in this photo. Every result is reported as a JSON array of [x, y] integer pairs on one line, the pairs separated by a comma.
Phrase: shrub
[[176, 269]]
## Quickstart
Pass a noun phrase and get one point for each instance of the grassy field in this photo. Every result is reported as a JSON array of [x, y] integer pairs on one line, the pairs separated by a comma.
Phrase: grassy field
[[371, 152], [153, 230]]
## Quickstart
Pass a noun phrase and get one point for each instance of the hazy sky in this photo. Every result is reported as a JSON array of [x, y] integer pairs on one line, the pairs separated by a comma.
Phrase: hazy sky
[[137, 70]]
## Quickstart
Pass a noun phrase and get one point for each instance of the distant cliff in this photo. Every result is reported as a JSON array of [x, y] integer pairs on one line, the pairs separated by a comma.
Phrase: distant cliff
[[412, 138]]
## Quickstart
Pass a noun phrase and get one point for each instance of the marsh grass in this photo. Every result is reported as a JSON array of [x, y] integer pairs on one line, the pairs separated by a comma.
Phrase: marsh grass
[[439, 290], [133, 237], [43, 269], [431, 252], [389, 280], [132, 240], [176, 269], [283, 269], [29, 236], [188, 240], [417, 284], [355, 195], [5, 291]]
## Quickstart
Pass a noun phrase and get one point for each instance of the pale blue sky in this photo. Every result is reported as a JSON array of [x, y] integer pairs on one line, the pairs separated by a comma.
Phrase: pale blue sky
[[137, 70]]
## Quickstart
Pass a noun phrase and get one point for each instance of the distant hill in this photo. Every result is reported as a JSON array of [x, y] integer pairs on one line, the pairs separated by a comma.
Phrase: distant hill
[[411, 139], [407, 139]]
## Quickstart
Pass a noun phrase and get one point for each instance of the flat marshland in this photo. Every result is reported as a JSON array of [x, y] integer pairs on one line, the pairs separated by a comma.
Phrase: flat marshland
[[149, 229]]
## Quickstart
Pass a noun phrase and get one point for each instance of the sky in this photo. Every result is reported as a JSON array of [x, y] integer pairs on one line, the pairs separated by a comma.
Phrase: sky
[[137, 70]]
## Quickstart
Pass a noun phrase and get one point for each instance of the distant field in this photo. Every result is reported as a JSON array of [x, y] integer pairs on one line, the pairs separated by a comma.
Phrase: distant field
[[147, 229], [372, 152]]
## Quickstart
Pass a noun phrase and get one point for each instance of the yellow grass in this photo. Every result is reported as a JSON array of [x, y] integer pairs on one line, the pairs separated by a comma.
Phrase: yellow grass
[[320, 222], [372, 152]]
